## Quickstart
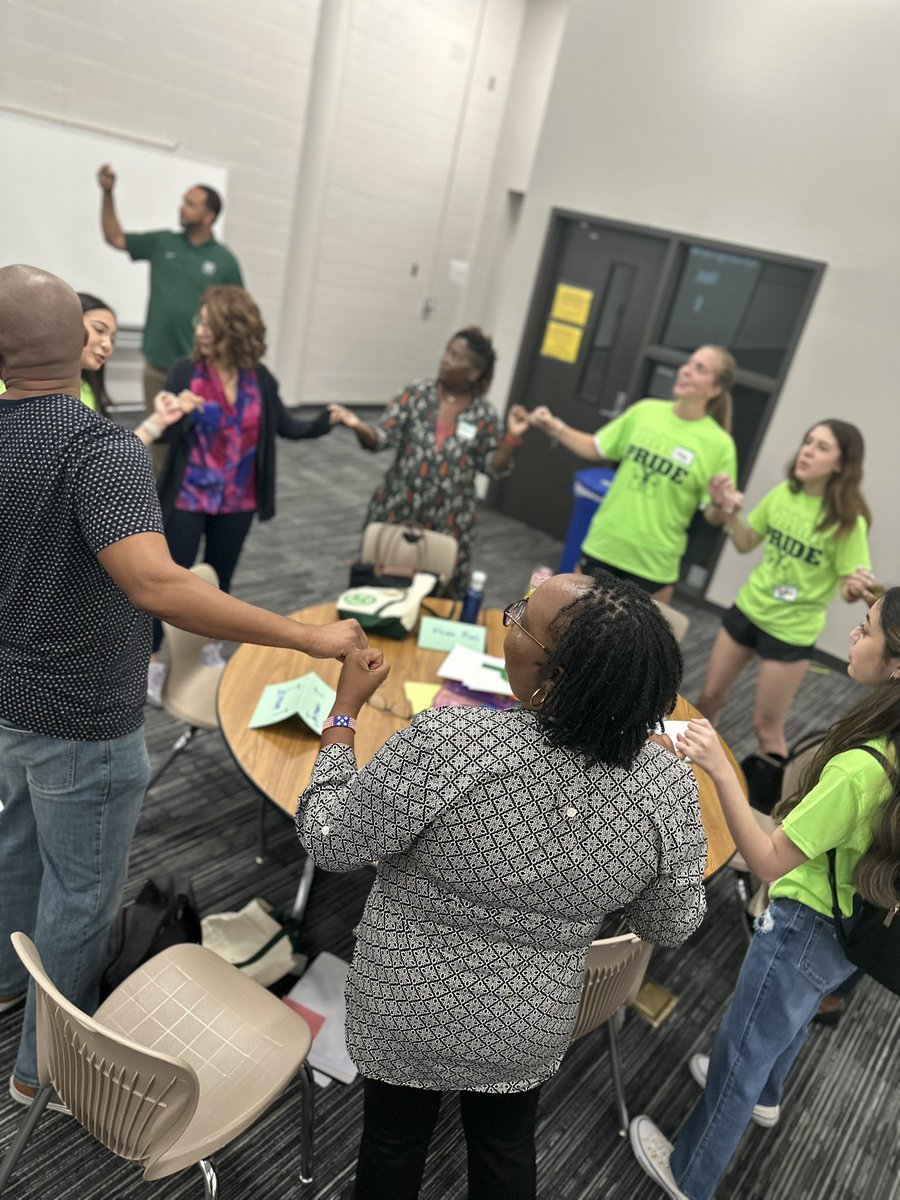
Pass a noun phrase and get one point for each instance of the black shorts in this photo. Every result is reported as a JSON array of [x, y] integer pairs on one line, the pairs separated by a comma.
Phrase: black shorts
[[590, 566], [745, 633]]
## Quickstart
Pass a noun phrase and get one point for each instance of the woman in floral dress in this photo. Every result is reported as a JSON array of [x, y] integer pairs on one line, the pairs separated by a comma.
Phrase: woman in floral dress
[[444, 433]]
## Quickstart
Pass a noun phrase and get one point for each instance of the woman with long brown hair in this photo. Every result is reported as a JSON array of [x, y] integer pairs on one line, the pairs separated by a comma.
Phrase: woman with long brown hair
[[815, 526], [668, 453], [220, 468], [848, 802]]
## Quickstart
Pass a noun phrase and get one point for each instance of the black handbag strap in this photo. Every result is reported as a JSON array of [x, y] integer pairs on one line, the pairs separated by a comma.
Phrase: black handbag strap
[[832, 859]]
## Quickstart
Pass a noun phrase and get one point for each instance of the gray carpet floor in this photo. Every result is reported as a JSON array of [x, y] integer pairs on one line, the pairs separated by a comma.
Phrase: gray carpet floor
[[838, 1134]]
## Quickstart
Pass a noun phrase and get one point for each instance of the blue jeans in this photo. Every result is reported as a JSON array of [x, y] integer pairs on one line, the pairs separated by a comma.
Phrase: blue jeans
[[68, 816], [793, 961]]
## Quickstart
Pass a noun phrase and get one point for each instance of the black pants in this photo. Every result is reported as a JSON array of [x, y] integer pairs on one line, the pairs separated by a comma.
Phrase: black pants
[[397, 1127], [224, 534]]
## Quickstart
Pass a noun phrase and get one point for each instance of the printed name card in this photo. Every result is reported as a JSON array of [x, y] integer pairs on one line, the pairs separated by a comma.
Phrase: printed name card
[[436, 633], [307, 697]]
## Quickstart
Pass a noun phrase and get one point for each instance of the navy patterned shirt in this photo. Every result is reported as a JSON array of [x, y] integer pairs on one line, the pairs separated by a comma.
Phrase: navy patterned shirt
[[73, 648]]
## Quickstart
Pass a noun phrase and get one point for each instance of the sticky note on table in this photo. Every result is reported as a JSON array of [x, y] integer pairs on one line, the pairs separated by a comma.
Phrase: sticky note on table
[[420, 695], [436, 633]]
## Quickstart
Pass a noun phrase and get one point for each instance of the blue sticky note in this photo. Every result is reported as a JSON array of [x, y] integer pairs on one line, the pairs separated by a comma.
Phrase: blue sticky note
[[436, 633]]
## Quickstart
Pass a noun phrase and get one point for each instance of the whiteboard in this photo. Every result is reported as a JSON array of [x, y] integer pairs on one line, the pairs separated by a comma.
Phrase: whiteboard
[[51, 205]]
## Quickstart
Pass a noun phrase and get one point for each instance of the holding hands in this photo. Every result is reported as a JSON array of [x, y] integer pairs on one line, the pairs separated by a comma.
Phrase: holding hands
[[518, 421], [725, 495], [339, 415], [861, 585]]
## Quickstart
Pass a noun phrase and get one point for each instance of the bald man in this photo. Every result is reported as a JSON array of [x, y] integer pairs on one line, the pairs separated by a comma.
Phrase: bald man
[[83, 561]]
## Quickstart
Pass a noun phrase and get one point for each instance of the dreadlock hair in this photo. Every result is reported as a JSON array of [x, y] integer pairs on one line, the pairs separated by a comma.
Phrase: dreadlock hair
[[877, 875], [96, 379], [481, 345], [617, 668], [843, 501]]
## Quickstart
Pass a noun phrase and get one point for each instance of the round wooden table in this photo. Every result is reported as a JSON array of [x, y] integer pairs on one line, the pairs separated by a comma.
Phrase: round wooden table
[[278, 760]]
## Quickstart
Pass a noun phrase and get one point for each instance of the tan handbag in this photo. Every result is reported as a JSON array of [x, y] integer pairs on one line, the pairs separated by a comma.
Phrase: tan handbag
[[391, 554]]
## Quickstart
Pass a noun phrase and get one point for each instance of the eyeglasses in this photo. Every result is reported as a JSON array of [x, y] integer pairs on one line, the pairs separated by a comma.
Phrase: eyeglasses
[[513, 614], [199, 323]]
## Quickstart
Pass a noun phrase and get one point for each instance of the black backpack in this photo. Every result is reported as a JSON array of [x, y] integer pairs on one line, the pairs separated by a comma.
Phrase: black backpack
[[161, 915]]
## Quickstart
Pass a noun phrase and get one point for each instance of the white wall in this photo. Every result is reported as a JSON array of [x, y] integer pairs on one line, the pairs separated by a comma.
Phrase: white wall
[[224, 79], [425, 84], [767, 123]]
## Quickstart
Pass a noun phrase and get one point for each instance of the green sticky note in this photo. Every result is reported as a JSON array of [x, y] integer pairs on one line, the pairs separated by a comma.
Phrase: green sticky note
[[436, 633], [307, 697]]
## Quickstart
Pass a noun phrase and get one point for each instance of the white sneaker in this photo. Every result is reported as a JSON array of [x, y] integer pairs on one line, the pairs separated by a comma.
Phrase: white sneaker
[[156, 678], [653, 1151], [211, 655], [765, 1115]]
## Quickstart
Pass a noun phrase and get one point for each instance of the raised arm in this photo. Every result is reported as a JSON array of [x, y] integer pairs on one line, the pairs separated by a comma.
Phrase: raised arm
[[143, 568], [768, 855], [109, 221], [580, 443]]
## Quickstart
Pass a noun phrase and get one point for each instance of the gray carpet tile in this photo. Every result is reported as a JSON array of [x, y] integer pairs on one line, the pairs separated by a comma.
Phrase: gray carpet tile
[[838, 1135]]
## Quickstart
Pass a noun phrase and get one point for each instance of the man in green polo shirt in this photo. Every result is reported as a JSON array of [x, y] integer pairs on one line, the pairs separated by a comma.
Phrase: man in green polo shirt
[[182, 266]]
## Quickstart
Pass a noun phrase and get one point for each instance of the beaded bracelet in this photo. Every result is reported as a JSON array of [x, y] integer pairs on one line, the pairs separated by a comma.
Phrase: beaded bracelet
[[340, 722]]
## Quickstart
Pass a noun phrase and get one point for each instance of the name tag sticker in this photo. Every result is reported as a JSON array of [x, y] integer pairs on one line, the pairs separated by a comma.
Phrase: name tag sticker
[[685, 457], [466, 430], [785, 593]]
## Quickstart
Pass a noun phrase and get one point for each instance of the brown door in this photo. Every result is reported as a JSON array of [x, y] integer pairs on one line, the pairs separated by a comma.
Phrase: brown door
[[585, 367]]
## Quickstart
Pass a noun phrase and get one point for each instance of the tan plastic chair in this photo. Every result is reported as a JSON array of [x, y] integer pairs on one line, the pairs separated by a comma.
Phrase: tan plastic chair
[[180, 1059], [613, 973], [679, 622], [409, 545], [190, 690]]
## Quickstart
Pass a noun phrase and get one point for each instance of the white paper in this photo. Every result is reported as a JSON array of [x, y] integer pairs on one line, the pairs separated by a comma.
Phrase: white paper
[[477, 672], [673, 728], [322, 990]]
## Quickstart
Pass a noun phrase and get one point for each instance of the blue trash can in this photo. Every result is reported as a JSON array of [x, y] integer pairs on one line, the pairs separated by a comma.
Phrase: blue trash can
[[588, 489]]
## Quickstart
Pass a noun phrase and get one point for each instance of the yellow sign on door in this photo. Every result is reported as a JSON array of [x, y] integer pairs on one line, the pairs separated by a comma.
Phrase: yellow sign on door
[[572, 304], [561, 341]]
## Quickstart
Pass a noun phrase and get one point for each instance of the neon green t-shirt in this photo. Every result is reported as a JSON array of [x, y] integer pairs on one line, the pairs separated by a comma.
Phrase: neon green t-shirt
[[88, 399], [840, 813], [787, 594], [665, 465]]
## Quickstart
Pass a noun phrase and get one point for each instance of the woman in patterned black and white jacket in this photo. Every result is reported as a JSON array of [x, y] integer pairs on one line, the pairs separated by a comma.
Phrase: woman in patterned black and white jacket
[[502, 840]]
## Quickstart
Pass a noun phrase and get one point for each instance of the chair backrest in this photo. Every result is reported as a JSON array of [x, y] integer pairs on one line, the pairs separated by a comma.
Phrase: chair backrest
[[189, 692], [613, 972], [800, 757], [679, 622], [135, 1101], [409, 545]]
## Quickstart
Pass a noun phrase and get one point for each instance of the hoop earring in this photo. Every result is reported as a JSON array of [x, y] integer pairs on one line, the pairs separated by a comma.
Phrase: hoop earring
[[532, 703]]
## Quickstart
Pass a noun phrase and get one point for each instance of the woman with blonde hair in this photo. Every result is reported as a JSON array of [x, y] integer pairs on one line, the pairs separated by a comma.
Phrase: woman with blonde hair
[[220, 469], [668, 453]]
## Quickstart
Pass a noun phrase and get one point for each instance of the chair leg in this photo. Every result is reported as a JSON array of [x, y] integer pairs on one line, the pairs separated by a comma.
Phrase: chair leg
[[261, 847], [23, 1133], [742, 890], [303, 890], [210, 1179], [614, 1025], [183, 742], [307, 1116]]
